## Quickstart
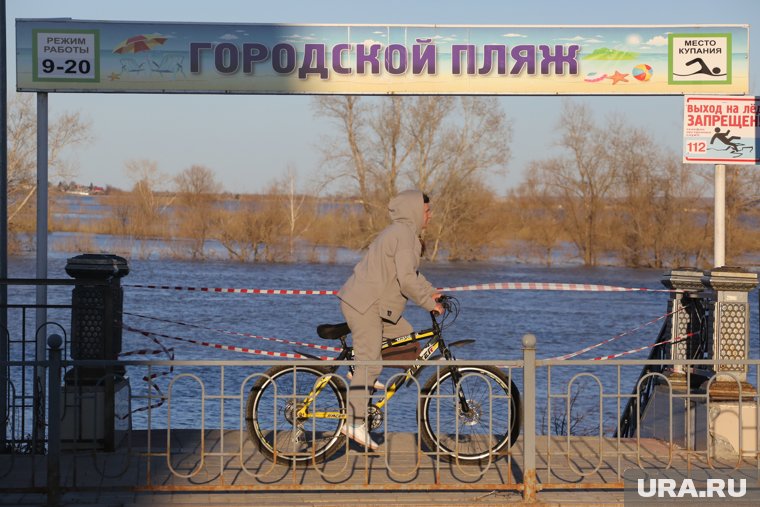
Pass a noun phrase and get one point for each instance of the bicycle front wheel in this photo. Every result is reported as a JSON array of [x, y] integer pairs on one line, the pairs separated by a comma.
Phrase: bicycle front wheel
[[273, 421], [473, 421]]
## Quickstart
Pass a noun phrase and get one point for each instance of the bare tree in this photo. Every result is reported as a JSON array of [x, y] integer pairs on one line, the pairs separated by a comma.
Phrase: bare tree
[[300, 208], [441, 145], [658, 199], [392, 150], [255, 231], [147, 208], [617, 190], [656, 206], [427, 117], [642, 195], [583, 179], [539, 215], [238, 233], [686, 238], [473, 143], [196, 190], [349, 153], [66, 131]]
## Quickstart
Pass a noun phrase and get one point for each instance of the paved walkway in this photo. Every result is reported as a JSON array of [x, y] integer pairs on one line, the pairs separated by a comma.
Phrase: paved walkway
[[319, 499], [587, 471]]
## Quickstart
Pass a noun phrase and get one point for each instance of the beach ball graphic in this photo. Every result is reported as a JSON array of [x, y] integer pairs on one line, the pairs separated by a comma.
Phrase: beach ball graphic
[[642, 72]]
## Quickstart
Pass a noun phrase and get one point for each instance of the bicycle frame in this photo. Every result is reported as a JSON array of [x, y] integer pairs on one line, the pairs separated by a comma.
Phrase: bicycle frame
[[428, 350], [431, 347]]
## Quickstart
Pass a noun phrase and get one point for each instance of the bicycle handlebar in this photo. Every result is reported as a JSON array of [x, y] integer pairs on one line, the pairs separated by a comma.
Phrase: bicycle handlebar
[[449, 304]]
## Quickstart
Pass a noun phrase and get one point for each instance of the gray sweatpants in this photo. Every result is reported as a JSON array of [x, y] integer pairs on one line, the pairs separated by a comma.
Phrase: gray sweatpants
[[368, 330]]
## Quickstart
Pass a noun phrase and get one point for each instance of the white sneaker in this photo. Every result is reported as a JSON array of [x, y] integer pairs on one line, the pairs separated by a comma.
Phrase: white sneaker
[[359, 434]]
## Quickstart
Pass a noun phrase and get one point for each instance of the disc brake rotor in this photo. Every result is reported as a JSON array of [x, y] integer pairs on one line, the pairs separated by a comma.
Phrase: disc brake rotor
[[472, 416]]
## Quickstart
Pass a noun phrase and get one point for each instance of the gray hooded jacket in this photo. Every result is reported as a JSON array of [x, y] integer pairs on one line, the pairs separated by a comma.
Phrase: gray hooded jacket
[[388, 272]]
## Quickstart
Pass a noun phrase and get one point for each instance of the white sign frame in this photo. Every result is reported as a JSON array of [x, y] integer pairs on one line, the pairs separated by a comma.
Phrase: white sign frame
[[721, 130]]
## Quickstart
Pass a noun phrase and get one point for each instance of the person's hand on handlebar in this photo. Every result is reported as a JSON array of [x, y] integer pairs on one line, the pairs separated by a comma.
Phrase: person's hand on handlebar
[[438, 310]]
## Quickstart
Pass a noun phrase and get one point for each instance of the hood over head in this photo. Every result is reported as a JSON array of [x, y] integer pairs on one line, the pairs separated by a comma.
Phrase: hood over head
[[408, 207]]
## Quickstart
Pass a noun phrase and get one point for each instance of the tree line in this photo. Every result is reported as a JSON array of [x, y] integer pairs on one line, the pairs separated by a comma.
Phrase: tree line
[[610, 195]]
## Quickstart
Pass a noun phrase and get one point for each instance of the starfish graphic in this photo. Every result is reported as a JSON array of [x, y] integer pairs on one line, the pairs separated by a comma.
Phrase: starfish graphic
[[114, 76], [617, 77]]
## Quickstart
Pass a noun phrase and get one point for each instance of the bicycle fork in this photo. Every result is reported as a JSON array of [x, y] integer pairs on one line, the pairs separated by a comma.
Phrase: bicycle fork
[[457, 377]]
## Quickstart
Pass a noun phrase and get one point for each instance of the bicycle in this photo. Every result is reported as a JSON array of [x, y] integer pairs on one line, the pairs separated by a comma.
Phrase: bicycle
[[469, 414]]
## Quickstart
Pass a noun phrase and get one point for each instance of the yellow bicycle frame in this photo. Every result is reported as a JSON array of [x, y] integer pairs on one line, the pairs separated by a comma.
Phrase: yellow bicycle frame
[[303, 412]]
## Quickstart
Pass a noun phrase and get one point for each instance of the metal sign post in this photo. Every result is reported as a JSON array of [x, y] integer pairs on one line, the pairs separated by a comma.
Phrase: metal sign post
[[719, 249], [720, 130], [41, 271]]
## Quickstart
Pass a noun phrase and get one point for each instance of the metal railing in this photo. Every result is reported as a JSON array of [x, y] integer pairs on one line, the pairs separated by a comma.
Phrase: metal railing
[[22, 382], [191, 435], [180, 425]]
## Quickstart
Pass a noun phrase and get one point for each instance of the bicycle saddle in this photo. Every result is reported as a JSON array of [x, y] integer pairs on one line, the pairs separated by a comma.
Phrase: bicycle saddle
[[333, 331]]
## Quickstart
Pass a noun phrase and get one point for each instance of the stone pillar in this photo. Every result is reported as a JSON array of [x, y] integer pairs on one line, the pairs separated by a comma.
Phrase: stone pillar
[[730, 328], [684, 319]]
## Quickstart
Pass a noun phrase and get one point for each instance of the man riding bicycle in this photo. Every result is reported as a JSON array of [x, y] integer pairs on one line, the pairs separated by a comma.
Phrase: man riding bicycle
[[374, 296]]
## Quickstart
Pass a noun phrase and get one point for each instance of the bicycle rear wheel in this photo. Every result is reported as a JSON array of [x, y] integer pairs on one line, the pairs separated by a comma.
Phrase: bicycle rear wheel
[[490, 425], [272, 422]]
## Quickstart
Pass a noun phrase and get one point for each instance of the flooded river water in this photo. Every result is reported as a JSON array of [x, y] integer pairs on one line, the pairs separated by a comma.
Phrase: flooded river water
[[562, 321]]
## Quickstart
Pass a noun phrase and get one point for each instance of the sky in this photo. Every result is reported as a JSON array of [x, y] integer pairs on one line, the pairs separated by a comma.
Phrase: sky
[[250, 140]]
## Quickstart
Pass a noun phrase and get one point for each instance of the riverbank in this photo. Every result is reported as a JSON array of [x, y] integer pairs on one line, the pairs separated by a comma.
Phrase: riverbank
[[252, 229]]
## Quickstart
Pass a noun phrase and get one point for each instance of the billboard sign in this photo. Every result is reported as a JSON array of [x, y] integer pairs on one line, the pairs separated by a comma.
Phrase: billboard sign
[[721, 130], [143, 57]]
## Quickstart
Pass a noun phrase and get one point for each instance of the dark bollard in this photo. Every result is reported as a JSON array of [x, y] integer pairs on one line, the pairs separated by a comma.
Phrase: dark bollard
[[96, 313], [91, 392]]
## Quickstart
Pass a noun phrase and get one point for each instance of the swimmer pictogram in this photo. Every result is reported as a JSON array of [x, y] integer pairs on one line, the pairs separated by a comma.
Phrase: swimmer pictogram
[[701, 68]]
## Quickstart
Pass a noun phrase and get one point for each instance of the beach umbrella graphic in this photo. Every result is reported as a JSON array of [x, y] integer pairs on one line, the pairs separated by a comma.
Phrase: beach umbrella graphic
[[140, 43]]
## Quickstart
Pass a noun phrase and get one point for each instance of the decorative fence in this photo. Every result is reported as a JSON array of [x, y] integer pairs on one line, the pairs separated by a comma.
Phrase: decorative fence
[[211, 450]]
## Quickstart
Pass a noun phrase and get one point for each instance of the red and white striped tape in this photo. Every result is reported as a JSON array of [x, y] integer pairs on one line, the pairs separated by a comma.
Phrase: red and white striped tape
[[232, 348], [246, 335], [618, 336], [584, 287], [673, 340], [238, 291]]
